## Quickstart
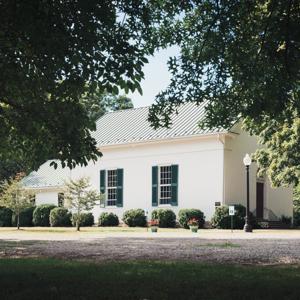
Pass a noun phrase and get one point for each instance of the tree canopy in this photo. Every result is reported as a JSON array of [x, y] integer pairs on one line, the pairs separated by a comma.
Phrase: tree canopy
[[242, 57], [52, 53], [279, 158]]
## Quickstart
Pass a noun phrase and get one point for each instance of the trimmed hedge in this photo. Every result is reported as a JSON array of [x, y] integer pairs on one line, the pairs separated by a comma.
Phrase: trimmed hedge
[[108, 219], [5, 216], [60, 216], [86, 219], [135, 217], [25, 217], [166, 217], [185, 215], [41, 215], [222, 220]]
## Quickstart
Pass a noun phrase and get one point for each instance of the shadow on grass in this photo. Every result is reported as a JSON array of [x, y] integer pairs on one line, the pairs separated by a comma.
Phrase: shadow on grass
[[57, 279]]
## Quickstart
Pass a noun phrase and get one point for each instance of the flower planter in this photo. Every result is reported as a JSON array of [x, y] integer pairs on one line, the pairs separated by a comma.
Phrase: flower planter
[[154, 228], [194, 228]]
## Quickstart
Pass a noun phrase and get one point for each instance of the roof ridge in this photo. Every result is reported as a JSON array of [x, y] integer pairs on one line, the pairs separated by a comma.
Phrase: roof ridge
[[126, 109]]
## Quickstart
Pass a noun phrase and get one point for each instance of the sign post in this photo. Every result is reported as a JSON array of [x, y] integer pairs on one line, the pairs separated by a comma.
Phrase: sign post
[[231, 214]]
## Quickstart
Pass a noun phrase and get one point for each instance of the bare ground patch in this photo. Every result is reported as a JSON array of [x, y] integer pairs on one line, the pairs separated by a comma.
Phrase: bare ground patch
[[185, 249]]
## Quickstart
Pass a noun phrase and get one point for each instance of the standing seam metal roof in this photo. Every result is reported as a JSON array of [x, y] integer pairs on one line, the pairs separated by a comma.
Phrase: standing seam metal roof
[[131, 125]]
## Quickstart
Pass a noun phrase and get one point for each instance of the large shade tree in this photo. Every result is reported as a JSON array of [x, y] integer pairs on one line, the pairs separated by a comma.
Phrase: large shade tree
[[52, 53], [97, 105], [243, 59]]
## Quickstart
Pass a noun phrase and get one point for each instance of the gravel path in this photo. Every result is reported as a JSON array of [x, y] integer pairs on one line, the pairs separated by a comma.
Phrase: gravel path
[[233, 251]]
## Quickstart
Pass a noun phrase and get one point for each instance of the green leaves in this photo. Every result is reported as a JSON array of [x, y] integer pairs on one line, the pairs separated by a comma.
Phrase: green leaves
[[51, 55], [234, 55], [279, 159], [80, 197]]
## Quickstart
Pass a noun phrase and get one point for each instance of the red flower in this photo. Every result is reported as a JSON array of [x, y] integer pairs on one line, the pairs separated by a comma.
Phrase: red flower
[[154, 222], [193, 222]]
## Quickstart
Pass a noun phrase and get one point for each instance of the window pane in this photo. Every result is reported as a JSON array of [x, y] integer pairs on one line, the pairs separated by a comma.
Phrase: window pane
[[111, 188], [165, 181]]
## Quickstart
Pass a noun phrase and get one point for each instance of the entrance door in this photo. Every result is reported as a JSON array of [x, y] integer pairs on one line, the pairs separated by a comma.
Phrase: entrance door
[[260, 200]]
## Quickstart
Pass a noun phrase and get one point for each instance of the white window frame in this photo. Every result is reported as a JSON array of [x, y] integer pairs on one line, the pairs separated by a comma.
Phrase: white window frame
[[169, 199], [111, 188]]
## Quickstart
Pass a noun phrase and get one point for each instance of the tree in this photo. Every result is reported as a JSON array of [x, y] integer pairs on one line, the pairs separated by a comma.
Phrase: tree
[[9, 169], [280, 155], [15, 196], [100, 103], [241, 57], [53, 52], [80, 197], [296, 206]]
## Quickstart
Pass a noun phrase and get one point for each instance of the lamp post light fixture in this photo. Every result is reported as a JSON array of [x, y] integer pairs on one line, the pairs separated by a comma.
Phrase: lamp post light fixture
[[247, 163]]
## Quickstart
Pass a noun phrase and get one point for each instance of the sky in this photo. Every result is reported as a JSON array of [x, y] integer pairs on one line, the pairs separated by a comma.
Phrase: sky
[[157, 77]]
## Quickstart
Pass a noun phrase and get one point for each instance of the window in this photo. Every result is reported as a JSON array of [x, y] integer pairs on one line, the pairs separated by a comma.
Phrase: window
[[111, 188], [61, 200], [165, 180]]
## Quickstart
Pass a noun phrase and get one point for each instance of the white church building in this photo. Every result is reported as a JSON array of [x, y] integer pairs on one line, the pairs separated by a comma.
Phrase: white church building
[[180, 167]]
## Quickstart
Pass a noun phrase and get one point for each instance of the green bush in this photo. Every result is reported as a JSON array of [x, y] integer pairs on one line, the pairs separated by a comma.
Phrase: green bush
[[41, 215], [60, 216], [108, 219], [166, 217], [286, 220], [296, 218], [5, 216], [135, 217], [222, 220], [25, 217], [86, 219], [185, 215]]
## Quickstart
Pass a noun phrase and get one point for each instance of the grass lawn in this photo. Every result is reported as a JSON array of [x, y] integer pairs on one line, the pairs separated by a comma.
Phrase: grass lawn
[[56, 279]]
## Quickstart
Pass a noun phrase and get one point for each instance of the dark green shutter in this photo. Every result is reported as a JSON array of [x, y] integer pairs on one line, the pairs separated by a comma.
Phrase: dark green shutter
[[102, 187], [154, 185], [174, 186], [120, 187], [102, 181]]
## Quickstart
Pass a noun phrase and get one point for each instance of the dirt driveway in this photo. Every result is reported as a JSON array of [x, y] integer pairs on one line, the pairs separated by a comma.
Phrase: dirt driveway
[[262, 247]]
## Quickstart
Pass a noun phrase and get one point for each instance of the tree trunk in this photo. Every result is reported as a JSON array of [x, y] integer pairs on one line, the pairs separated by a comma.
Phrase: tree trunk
[[18, 221], [77, 225]]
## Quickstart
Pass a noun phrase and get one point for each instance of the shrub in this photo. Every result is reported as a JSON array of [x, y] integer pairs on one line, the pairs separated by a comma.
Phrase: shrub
[[25, 217], [166, 217], [296, 218], [41, 214], [222, 220], [185, 215], [286, 220], [135, 217], [5, 216], [60, 216], [108, 219], [86, 219]]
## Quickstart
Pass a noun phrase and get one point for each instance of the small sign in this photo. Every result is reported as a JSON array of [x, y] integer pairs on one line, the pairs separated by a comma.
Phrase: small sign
[[231, 210]]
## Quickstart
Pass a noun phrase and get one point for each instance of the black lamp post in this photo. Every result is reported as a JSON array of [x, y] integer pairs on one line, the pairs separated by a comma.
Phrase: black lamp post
[[247, 163]]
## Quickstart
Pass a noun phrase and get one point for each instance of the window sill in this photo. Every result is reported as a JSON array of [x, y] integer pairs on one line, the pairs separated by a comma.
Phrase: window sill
[[111, 206], [164, 205]]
